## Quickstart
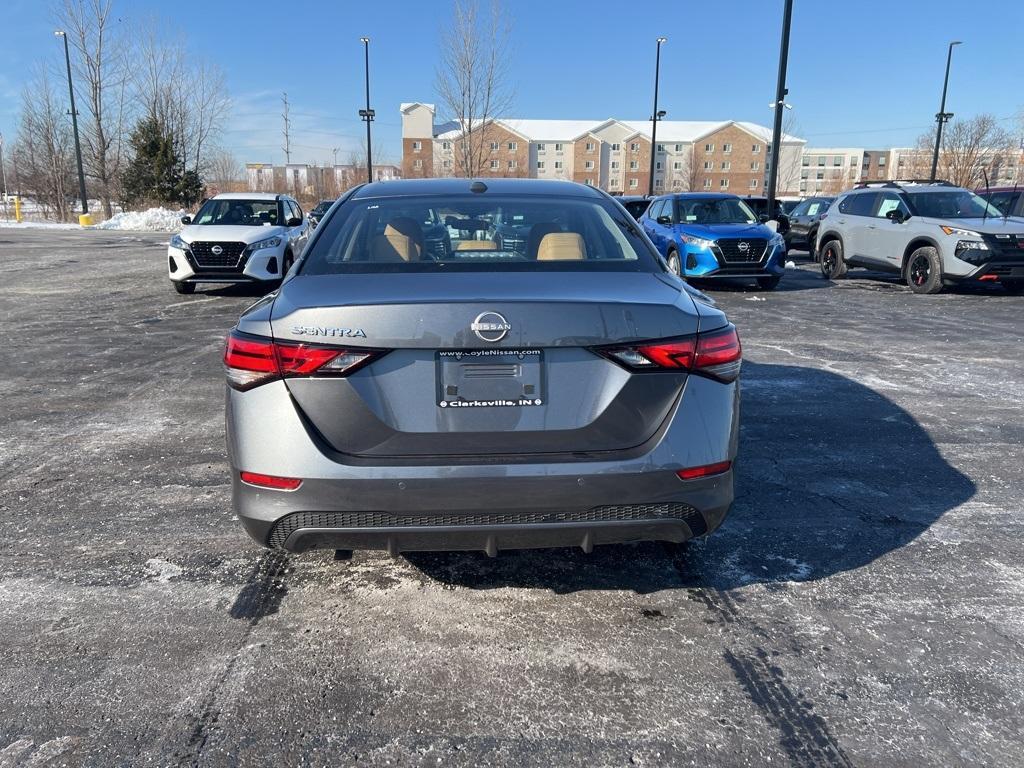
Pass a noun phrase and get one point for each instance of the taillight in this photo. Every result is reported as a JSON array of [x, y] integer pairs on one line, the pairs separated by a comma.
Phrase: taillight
[[716, 354], [253, 360], [270, 481], [708, 470]]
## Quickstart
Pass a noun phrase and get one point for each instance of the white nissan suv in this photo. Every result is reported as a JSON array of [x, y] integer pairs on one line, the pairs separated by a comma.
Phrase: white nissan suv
[[238, 237]]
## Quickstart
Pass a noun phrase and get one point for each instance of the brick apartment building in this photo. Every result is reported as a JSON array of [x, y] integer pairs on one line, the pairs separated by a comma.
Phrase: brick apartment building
[[615, 155], [312, 181]]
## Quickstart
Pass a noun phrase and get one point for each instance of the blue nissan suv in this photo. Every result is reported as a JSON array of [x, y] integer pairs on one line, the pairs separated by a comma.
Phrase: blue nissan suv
[[706, 236]]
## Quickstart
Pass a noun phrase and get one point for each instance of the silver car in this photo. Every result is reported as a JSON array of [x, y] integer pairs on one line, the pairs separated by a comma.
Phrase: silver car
[[467, 393]]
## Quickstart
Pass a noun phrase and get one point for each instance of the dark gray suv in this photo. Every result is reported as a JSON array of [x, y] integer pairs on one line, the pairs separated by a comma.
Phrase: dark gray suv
[[568, 392]]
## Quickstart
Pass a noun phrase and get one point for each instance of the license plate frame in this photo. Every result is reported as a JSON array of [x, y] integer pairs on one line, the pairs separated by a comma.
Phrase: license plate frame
[[490, 378]]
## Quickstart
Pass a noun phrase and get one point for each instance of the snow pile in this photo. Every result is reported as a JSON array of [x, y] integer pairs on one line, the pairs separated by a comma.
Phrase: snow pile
[[790, 265], [153, 220]]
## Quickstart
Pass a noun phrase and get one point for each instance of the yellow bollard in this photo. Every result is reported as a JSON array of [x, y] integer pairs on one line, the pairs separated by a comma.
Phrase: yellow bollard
[[85, 220], [17, 210]]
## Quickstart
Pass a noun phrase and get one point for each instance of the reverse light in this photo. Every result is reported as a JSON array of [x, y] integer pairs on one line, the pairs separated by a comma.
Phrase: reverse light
[[716, 354], [270, 481], [708, 470], [253, 360]]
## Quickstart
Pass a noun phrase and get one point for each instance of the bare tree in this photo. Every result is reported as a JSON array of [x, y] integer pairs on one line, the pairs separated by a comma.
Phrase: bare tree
[[970, 149], [224, 170], [694, 173], [44, 147], [472, 79], [100, 67]]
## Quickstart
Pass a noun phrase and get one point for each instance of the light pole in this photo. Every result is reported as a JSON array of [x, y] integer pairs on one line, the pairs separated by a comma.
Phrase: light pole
[[3, 171], [943, 116], [74, 125], [780, 102], [367, 114], [655, 114]]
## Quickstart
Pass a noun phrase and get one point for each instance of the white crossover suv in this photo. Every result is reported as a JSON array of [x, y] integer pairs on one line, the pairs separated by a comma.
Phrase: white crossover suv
[[238, 237]]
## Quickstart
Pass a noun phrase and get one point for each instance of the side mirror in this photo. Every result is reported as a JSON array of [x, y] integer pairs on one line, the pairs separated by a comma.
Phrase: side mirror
[[665, 221], [186, 220], [293, 222], [763, 218], [896, 216]]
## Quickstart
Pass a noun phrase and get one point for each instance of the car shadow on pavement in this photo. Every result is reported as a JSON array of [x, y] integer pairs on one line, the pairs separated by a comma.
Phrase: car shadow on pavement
[[831, 476]]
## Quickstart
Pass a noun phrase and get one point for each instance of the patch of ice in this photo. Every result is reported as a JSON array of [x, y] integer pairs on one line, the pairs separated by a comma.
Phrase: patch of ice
[[37, 225], [754, 298], [153, 220], [161, 570]]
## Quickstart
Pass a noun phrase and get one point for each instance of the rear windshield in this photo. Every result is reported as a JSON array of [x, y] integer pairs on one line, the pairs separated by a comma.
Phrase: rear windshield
[[486, 232]]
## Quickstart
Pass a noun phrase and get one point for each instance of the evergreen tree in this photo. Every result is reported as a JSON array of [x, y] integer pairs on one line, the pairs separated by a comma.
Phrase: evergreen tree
[[156, 174]]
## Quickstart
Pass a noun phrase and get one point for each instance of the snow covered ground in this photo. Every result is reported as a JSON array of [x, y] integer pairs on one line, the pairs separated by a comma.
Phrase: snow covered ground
[[153, 220]]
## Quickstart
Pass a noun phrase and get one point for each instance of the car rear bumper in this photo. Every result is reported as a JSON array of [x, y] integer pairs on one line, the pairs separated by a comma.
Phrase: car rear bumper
[[405, 505]]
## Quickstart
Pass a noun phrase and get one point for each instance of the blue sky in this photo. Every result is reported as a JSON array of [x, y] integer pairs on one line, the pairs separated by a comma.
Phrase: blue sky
[[864, 73]]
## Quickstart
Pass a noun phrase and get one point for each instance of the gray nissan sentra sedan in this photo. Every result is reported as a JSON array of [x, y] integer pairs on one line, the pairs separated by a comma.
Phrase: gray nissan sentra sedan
[[480, 365]]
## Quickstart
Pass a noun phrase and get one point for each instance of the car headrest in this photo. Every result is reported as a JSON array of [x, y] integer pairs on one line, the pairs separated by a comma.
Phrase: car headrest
[[402, 241], [562, 246], [537, 232]]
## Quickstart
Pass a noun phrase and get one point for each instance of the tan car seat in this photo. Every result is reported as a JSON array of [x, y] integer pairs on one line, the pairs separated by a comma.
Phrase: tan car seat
[[402, 241], [477, 245], [562, 246]]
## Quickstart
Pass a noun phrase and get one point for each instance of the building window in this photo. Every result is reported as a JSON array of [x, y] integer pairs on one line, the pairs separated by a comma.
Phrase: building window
[[727, 148], [634, 165], [726, 165], [542, 147], [589, 182], [494, 146], [805, 162], [677, 166], [677, 183], [804, 174], [511, 164], [613, 183], [881, 161], [709, 148], [707, 183], [540, 165], [446, 145], [661, 147], [657, 165], [616, 147], [753, 183], [679, 147], [853, 159], [558, 147], [755, 148], [494, 165], [634, 147], [590, 146], [819, 175], [658, 184], [708, 165], [803, 186], [558, 165], [589, 165], [723, 183], [417, 164], [615, 165], [821, 161], [755, 165], [446, 164], [634, 183], [837, 161], [417, 146]]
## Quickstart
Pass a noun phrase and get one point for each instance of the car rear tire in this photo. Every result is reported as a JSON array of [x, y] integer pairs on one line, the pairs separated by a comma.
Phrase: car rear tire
[[674, 263], [184, 288], [924, 271], [768, 283], [832, 265], [812, 244]]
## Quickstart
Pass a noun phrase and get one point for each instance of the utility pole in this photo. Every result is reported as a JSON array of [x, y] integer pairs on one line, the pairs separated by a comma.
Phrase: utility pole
[[780, 102], [3, 170], [334, 152], [942, 116], [74, 124], [655, 115], [287, 131], [367, 114]]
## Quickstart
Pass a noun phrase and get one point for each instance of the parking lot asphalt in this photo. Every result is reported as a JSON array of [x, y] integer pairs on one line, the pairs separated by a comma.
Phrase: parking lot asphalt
[[862, 605]]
